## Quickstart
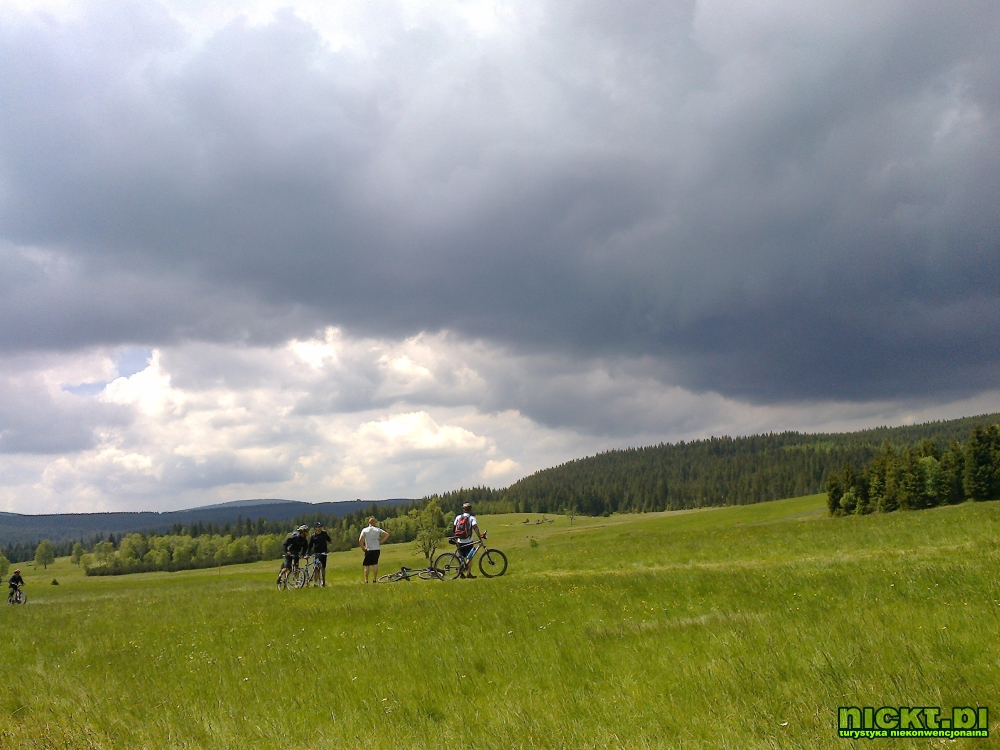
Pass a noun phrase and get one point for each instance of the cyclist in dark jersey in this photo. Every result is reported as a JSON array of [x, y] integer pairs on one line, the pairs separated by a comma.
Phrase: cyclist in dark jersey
[[16, 582], [319, 545], [295, 544]]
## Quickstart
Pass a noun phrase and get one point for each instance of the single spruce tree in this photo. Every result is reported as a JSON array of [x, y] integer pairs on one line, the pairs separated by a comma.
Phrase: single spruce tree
[[911, 482], [980, 475], [952, 471]]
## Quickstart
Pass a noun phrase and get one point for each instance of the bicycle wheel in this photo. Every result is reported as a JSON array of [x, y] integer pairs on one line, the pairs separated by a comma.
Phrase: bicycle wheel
[[282, 581], [493, 563], [389, 577], [430, 574], [448, 565], [307, 576], [297, 578]]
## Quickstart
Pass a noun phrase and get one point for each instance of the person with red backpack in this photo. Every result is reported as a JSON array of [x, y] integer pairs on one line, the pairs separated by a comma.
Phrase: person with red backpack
[[463, 529]]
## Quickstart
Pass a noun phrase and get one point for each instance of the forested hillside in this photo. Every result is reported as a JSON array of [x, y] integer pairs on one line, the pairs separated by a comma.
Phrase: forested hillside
[[717, 471]]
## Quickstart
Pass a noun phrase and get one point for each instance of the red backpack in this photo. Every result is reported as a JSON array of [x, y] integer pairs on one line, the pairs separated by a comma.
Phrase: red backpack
[[463, 526]]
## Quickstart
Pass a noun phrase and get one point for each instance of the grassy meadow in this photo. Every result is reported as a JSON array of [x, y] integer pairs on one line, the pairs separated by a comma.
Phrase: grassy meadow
[[741, 627]]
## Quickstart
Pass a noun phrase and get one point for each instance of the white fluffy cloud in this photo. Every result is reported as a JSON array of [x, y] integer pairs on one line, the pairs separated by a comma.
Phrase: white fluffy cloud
[[336, 418]]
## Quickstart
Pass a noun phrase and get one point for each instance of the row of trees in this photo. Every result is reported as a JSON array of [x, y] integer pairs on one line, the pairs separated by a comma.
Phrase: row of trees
[[205, 545], [44, 556], [920, 476], [26, 551], [138, 553]]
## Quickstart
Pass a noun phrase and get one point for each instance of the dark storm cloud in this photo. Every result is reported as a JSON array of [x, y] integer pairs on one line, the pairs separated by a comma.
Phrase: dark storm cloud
[[793, 201]]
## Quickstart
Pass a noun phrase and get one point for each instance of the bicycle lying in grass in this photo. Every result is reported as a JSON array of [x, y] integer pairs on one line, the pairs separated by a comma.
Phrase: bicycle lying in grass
[[17, 596], [492, 563], [424, 574], [290, 577]]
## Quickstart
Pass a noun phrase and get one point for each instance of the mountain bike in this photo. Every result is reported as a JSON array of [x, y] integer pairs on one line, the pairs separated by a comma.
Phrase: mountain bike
[[314, 573], [492, 563], [17, 596], [290, 578], [405, 574]]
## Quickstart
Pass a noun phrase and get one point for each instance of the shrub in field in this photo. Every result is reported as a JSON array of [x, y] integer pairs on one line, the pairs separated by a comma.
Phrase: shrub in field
[[430, 529]]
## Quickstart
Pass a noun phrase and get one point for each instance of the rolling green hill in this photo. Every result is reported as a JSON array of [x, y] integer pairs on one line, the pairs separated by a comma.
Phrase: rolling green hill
[[740, 627], [700, 473]]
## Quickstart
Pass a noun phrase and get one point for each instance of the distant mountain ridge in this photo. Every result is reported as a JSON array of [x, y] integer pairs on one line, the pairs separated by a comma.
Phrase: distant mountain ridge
[[16, 528], [246, 503]]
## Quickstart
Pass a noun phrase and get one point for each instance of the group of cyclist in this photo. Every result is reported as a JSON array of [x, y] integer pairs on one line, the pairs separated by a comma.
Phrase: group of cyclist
[[299, 543]]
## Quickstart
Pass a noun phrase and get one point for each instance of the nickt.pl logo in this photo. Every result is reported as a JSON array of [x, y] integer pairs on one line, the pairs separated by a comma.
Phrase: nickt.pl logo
[[856, 722]]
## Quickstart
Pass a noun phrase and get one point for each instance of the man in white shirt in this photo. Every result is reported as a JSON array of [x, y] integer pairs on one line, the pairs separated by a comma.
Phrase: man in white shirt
[[371, 540], [466, 522]]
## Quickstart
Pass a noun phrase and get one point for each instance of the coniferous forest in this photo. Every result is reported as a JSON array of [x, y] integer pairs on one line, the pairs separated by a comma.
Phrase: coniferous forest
[[920, 476], [716, 471]]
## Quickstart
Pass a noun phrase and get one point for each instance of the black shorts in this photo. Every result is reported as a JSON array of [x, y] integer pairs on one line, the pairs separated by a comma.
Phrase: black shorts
[[466, 549], [371, 557], [288, 561], [321, 559]]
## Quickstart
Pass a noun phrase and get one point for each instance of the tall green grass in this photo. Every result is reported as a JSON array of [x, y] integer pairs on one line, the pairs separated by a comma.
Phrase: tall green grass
[[739, 627]]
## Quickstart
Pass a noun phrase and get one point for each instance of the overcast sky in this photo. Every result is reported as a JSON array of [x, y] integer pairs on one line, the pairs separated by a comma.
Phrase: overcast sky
[[329, 250]]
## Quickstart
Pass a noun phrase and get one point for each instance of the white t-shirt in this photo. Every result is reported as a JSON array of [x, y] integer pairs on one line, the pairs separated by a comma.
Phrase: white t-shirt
[[372, 535], [472, 522]]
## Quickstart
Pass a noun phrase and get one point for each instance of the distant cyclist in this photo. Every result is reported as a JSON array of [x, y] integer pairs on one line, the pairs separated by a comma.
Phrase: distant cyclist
[[371, 540], [319, 545], [16, 582], [466, 531]]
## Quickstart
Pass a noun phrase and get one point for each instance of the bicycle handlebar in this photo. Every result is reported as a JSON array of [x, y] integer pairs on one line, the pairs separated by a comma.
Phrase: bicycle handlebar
[[481, 536]]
